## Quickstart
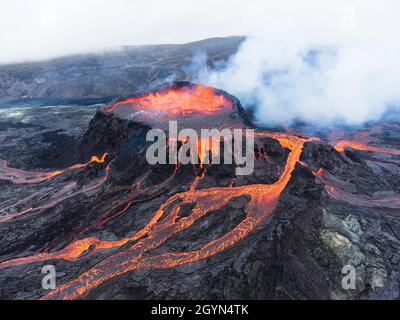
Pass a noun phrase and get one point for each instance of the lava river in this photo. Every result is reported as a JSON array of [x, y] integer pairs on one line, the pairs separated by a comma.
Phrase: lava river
[[177, 213], [19, 176], [263, 201], [171, 219]]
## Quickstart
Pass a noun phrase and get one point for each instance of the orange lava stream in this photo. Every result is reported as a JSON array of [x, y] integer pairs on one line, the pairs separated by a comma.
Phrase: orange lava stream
[[206, 148], [177, 103], [170, 219], [77, 248], [91, 186], [264, 199], [341, 145], [19, 176], [385, 201]]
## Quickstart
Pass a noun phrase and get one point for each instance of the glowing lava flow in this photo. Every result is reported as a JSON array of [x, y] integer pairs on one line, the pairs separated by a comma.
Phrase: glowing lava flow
[[19, 176], [176, 103], [385, 201], [264, 199], [91, 186], [206, 147], [74, 250], [341, 145]]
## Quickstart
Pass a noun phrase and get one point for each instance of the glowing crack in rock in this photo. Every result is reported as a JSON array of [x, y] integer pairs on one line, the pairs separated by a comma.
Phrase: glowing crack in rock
[[19, 176]]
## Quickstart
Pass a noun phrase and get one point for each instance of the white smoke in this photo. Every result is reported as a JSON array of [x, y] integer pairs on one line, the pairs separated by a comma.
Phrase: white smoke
[[320, 71]]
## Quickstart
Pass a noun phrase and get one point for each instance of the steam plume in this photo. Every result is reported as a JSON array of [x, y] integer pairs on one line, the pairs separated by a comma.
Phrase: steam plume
[[319, 74]]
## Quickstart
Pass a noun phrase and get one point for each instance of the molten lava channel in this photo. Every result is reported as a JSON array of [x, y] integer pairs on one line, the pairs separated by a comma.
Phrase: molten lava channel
[[176, 214], [383, 201], [174, 103], [263, 201], [19, 176], [165, 223], [342, 145]]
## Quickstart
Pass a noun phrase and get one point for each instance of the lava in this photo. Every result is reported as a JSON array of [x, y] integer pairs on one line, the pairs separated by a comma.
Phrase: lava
[[385, 201], [264, 199], [19, 176], [207, 149], [181, 210], [171, 219], [341, 145], [56, 200], [77, 248], [174, 103]]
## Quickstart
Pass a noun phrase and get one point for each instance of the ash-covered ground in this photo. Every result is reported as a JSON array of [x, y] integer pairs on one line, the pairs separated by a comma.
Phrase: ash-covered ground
[[115, 227]]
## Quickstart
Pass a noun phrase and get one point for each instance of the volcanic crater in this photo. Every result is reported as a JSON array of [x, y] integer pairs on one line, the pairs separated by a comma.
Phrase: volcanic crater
[[115, 226]]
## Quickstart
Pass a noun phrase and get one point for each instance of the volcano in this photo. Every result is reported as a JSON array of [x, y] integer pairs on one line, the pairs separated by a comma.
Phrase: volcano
[[114, 226]]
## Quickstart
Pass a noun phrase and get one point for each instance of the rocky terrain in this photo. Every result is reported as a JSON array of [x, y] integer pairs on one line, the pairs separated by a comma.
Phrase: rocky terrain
[[111, 74], [77, 193]]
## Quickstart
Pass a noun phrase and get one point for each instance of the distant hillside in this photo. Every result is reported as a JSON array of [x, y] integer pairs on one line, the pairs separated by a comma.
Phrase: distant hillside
[[97, 76]]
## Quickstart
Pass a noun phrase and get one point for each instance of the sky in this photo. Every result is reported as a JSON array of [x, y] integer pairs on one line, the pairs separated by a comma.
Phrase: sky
[[41, 29]]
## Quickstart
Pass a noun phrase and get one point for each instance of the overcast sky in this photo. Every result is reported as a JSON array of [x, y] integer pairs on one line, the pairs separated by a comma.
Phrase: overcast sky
[[39, 29]]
